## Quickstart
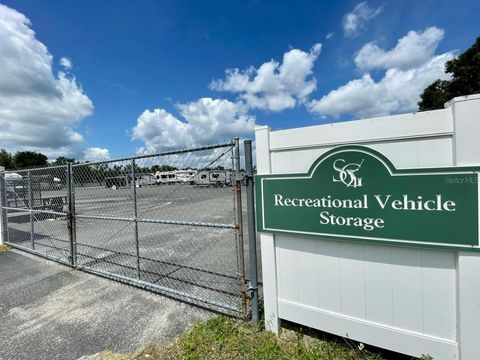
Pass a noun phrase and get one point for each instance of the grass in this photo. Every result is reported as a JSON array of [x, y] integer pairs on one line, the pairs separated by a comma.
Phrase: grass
[[4, 248], [225, 338]]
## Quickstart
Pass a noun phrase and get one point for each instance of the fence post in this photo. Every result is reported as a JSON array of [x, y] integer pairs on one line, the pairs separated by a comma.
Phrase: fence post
[[252, 236], [135, 222], [72, 227], [3, 202], [30, 206], [239, 223]]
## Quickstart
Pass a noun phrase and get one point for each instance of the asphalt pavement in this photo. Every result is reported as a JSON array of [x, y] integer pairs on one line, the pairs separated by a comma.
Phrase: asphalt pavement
[[50, 311]]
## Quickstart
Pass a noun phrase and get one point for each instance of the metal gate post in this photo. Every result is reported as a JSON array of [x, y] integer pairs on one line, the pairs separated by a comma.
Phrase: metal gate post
[[3, 202], [135, 222], [71, 223], [252, 236], [239, 223], [30, 206]]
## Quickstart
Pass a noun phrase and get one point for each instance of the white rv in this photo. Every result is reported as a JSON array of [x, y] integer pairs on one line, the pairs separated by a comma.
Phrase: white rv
[[166, 177], [213, 177], [175, 176], [186, 176]]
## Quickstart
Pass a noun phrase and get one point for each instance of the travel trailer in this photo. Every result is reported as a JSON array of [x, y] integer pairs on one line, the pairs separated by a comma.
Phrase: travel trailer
[[20, 191], [116, 182], [146, 179], [212, 178], [175, 176], [166, 177], [186, 176], [122, 181]]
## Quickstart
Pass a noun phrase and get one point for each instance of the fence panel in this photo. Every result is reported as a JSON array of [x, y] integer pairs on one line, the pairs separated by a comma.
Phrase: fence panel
[[164, 222], [35, 211], [168, 222]]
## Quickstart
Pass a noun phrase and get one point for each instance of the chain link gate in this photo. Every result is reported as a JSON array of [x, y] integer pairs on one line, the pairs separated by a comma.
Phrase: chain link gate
[[169, 222], [35, 211]]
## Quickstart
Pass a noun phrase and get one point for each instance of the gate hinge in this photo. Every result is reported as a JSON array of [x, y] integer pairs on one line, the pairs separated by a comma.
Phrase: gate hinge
[[250, 287]]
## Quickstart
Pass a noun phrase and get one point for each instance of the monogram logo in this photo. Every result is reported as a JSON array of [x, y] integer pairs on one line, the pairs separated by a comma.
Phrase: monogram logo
[[346, 173]]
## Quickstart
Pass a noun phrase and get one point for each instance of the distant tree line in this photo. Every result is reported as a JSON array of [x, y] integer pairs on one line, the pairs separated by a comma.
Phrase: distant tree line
[[29, 159], [22, 159], [95, 172]]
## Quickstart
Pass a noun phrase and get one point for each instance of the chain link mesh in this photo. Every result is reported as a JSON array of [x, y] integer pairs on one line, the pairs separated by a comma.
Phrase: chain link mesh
[[165, 222], [35, 205]]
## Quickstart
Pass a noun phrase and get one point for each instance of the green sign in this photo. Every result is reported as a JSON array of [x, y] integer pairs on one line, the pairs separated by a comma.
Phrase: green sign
[[355, 193]]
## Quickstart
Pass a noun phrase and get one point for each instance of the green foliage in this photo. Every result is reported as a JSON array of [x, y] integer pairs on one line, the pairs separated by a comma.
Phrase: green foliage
[[425, 357], [6, 160], [162, 168], [222, 338], [465, 71], [29, 159], [62, 160], [434, 96]]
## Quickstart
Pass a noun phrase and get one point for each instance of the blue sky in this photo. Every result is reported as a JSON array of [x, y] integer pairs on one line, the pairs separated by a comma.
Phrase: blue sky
[[131, 57]]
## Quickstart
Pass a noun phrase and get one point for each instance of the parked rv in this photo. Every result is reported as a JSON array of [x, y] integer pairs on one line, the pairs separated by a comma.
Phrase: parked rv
[[25, 193], [123, 181], [175, 176], [166, 177], [212, 178], [145, 179], [116, 182], [186, 176]]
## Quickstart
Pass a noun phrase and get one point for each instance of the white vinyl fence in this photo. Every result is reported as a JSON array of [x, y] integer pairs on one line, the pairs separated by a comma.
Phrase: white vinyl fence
[[410, 300]]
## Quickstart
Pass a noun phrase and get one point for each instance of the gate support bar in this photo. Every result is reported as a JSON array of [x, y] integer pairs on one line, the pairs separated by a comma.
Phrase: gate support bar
[[72, 228], [3, 203], [135, 215], [30, 206], [252, 236], [239, 224]]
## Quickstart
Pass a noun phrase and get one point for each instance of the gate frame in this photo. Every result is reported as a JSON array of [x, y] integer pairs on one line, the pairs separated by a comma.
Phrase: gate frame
[[71, 220]]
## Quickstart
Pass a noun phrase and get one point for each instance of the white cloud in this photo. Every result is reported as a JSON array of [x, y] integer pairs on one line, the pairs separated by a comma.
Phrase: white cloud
[[398, 91], [204, 121], [66, 63], [355, 21], [412, 50], [410, 67], [39, 110], [274, 86], [96, 154], [329, 35]]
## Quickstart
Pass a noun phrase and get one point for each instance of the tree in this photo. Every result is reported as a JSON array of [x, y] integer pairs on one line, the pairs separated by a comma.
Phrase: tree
[[6, 160], [62, 160], [465, 71], [28, 159], [434, 96], [162, 168]]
